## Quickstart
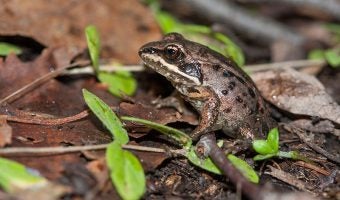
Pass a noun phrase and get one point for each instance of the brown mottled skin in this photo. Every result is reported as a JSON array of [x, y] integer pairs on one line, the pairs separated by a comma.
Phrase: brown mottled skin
[[221, 92]]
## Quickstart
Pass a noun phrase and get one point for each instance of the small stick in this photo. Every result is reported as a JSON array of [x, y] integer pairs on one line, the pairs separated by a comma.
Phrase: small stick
[[208, 142], [298, 64], [294, 64], [258, 26], [72, 149], [47, 121], [313, 167], [106, 68], [302, 135], [20, 92]]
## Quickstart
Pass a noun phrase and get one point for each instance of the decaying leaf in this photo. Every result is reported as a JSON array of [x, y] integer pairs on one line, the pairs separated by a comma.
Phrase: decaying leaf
[[5, 132], [297, 93], [58, 30]]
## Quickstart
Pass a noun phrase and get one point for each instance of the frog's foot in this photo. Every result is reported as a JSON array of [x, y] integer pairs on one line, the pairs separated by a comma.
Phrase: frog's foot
[[171, 102]]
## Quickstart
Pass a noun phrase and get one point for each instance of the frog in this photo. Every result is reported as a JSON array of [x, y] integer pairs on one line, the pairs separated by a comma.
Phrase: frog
[[224, 96]]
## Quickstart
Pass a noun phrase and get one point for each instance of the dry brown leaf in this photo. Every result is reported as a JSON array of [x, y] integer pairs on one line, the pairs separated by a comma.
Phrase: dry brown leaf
[[297, 93], [99, 169], [61, 24], [5, 132], [47, 191]]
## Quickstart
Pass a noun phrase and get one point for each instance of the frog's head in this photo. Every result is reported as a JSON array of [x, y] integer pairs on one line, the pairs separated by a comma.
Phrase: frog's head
[[175, 58]]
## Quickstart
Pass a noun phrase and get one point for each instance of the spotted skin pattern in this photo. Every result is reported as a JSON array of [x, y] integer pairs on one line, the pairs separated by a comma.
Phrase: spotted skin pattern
[[225, 96]]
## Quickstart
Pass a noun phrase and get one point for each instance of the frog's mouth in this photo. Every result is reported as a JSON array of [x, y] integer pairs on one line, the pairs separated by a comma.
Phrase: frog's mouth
[[169, 71]]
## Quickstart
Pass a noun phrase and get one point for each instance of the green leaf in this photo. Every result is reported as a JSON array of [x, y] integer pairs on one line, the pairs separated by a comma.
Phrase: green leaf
[[126, 172], [262, 147], [333, 57], [93, 43], [7, 48], [166, 22], [231, 49], [335, 28], [273, 139], [263, 157], [269, 146], [14, 176], [244, 168], [214, 40], [119, 82], [177, 135], [316, 54], [106, 116], [206, 163]]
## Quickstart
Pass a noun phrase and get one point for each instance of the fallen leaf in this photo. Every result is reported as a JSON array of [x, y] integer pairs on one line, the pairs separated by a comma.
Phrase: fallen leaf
[[5, 132], [323, 126], [16, 74], [297, 93], [150, 160], [99, 169], [61, 24], [79, 178]]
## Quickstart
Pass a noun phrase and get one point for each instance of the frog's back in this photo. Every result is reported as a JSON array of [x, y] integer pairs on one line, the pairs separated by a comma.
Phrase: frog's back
[[242, 108]]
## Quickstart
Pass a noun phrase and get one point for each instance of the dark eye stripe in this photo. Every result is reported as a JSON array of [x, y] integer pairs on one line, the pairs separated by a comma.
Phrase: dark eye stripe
[[192, 69]]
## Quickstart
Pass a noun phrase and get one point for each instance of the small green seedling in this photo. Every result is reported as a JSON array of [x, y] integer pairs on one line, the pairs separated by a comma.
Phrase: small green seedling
[[106, 116], [118, 82], [93, 43], [126, 171], [185, 141], [270, 148], [332, 56]]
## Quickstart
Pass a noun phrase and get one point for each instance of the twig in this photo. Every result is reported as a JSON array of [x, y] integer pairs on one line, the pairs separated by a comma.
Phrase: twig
[[330, 6], [313, 167], [294, 64], [72, 149], [106, 68], [302, 135], [287, 178], [47, 121], [20, 92], [209, 145], [252, 68], [259, 26]]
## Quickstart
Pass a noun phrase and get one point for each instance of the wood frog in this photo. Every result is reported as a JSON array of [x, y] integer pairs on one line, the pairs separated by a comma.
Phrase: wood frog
[[225, 96]]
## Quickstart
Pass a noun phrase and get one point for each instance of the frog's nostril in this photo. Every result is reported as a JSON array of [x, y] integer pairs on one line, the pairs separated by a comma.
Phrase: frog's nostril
[[148, 50]]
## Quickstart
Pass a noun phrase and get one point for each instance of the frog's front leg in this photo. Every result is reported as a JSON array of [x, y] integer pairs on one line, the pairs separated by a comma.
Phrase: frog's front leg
[[209, 110]]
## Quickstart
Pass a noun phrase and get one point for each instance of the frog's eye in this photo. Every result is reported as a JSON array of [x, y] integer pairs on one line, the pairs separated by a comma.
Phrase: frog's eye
[[172, 52]]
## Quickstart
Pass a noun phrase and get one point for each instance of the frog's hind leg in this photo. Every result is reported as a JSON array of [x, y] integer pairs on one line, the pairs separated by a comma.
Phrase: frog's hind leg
[[208, 119]]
